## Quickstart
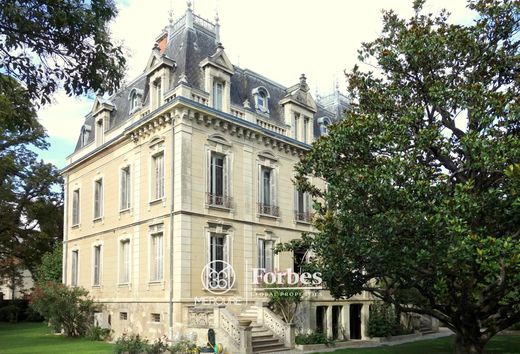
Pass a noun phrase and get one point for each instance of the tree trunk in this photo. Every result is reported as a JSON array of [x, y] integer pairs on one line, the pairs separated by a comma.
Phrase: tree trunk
[[468, 344]]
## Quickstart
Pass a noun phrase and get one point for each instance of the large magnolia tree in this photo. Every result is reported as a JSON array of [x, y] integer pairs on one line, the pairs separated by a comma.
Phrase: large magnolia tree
[[423, 174]]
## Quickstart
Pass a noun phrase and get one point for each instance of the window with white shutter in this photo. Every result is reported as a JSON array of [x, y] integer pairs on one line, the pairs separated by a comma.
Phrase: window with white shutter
[[96, 281], [158, 176], [75, 207], [125, 188], [74, 268], [157, 263], [98, 198], [124, 272]]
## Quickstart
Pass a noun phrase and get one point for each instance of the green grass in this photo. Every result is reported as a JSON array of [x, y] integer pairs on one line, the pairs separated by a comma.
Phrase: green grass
[[498, 344], [37, 338]]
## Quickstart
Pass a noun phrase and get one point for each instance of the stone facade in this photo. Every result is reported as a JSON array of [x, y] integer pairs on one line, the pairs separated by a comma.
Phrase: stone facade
[[189, 163]]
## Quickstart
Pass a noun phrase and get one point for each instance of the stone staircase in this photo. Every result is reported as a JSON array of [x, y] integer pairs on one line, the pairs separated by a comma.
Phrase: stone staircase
[[264, 341]]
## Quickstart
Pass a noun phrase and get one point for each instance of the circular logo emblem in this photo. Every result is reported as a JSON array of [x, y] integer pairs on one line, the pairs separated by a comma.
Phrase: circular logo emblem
[[218, 277]]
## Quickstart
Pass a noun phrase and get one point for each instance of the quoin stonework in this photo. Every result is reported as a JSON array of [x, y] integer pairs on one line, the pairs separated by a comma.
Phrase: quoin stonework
[[188, 165]]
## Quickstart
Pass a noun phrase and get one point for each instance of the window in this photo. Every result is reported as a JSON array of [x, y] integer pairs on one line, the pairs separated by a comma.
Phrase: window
[[97, 266], [158, 93], [323, 124], [85, 133], [75, 207], [125, 188], [265, 255], [305, 128], [261, 99], [74, 268], [296, 126], [302, 207], [156, 256], [124, 259], [123, 316], [156, 317], [299, 259], [218, 181], [218, 90], [158, 176], [267, 192], [219, 276], [134, 102], [98, 198], [99, 131]]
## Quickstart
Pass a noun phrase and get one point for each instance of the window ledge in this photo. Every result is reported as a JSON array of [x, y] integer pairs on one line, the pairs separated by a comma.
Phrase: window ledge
[[124, 211], [304, 222], [98, 219], [123, 285], [269, 216], [75, 226], [219, 207], [157, 201]]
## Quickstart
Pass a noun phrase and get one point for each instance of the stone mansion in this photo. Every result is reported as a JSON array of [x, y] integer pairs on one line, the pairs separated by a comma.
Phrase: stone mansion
[[189, 165]]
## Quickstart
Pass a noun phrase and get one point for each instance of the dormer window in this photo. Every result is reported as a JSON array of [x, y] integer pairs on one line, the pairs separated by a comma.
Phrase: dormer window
[[218, 91], [323, 123], [135, 98], [261, 98], [85, 133]]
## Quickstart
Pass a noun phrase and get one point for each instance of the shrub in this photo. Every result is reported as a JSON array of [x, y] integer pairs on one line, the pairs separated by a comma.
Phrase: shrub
[[383, 321], [96, 333], [184, 346], [67, 308], [135, 344], [285, 301], [313, 338]]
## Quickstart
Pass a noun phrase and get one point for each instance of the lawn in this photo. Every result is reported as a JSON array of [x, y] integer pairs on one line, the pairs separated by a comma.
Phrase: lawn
[[498, 344], [32, 338]]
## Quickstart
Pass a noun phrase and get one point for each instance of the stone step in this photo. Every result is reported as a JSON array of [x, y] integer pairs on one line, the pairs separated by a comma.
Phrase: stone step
[[265, 340], [268, 346]]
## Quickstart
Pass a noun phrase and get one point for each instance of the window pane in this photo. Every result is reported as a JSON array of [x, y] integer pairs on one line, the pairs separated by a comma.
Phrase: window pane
[[74, 265]]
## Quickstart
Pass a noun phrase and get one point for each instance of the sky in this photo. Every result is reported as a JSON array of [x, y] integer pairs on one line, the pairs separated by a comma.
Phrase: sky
[[279, 39]]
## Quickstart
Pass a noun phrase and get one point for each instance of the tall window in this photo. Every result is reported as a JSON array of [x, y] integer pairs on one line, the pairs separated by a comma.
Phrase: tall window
[[74, 268], [302, 207], [97, 265], [265, 255], [305, 128], [218, 90], [296, 126], [218, 181], [158, 176], [98, 198], [133, 101], [75, 207], [266, 187], [125, 188], [124, 258], [158, 93], [219, 276], [156, 256]]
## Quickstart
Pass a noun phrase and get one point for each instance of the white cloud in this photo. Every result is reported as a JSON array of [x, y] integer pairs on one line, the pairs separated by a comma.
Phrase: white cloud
[[65, 116]]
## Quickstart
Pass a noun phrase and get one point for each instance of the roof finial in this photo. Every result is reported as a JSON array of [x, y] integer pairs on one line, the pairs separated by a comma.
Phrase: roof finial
[[188, 4], [170, 17]]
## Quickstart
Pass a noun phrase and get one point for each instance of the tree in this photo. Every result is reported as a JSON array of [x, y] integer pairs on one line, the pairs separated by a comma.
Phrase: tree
[[67, 308], [50, 267], [423, 174], [31, 205], [46, 43]]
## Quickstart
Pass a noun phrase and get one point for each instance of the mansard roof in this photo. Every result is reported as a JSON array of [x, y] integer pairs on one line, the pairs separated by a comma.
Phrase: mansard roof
[[184, 47]]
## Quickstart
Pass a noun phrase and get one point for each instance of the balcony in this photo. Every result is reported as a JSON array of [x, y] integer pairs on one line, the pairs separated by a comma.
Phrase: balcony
[[270, 210], [303, 216], [220, 201]]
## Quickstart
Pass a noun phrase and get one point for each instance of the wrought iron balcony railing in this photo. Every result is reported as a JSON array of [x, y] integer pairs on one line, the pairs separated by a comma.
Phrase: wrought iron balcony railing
[[266, 209], [303, 216], [222, 201]]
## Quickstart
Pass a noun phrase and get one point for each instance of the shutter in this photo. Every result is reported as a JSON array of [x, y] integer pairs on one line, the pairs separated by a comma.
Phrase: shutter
[[161, 176], [225, 173], [268, 255], [260, 255], [272, 181]]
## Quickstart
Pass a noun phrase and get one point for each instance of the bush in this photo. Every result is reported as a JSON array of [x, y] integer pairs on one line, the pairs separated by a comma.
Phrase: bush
[[135, 344], [67, 308], [383, 321], [17, 310], [313, 338], [96, 333], [184, 346]]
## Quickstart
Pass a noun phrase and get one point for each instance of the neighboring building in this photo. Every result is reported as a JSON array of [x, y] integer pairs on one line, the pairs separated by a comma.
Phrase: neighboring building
[[191, 163], [22, 286]]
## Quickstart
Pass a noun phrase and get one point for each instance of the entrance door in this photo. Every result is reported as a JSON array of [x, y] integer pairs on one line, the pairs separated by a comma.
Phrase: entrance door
[[336, 322], [355, 321], [321, 322]]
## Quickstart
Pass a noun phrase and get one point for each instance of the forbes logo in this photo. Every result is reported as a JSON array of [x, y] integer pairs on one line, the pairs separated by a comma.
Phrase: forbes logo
[[305, 280]]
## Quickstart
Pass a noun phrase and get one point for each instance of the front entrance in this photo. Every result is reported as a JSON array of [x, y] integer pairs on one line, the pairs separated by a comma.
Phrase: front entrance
[[355, 321]]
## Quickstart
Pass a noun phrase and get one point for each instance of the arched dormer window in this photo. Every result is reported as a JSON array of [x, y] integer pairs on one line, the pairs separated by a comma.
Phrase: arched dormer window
[[135, 97], [323, 123], [85, 133], [261, 99]]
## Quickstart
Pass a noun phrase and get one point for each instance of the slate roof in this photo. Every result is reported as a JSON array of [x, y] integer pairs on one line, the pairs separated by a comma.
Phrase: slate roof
[[188, 47]]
